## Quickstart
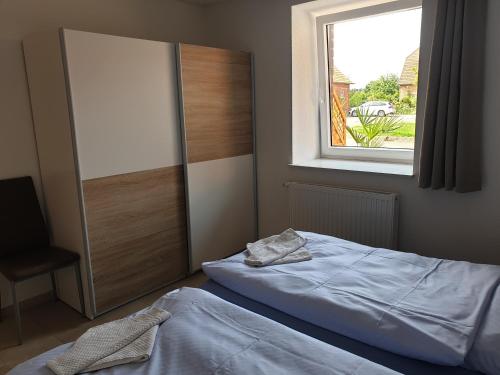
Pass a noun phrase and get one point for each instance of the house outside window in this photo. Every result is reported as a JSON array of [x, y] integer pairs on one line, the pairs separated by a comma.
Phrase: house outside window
[[408, 81]]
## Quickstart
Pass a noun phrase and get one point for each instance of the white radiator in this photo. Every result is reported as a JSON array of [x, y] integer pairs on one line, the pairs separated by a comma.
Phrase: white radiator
[[370, 218]]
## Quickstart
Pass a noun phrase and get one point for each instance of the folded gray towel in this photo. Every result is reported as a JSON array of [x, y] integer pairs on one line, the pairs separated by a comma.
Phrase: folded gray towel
[[301, 255], [137, 351], [287, 247], [122, 341]]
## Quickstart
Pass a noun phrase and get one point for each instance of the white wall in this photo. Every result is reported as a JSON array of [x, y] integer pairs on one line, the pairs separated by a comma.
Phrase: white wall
[[166, 20], [434, 223]]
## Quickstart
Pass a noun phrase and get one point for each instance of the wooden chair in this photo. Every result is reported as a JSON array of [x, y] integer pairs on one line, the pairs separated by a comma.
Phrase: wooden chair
[[25, 250]]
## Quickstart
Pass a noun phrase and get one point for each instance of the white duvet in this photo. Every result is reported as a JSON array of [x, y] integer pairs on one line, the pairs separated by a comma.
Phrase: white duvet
[[425, 308], [207, 335]]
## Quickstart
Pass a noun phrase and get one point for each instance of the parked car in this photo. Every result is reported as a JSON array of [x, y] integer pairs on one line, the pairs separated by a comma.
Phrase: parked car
[[375, 108]]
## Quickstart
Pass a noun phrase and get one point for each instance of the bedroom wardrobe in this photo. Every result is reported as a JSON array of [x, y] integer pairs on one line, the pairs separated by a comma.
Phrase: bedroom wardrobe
[[116, 126]]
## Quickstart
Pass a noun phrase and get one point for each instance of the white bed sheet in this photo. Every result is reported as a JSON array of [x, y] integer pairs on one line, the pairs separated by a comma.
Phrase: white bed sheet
[[420, 307], [207, 335], [484, 355]]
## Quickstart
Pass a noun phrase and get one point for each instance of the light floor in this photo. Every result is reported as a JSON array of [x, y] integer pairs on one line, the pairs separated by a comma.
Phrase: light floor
[[54, 323]]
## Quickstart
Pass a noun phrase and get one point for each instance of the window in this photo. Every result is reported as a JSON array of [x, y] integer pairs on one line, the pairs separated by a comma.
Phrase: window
[[368, 71]]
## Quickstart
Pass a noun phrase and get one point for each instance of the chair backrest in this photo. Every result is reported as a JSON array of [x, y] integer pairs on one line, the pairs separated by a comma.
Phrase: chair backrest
[[22, 226]]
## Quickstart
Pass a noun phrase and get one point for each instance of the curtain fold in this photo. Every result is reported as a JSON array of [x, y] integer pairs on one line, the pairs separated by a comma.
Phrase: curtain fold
[[450, 154]]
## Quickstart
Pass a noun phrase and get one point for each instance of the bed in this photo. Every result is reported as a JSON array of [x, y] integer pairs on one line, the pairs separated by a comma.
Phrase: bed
[[400, 364], [383, 298], [207, 335]]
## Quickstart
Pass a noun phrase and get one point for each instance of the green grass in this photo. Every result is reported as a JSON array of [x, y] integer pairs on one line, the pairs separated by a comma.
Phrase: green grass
[[407, 129]]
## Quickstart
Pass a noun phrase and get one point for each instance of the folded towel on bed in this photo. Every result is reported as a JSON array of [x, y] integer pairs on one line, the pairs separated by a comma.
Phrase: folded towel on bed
[[287, 247], [300, 255], [122, 341], [137, 351]]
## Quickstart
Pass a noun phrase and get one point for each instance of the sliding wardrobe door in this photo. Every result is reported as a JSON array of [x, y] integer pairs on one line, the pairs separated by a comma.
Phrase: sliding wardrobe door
[[216, 92], [127, 136]]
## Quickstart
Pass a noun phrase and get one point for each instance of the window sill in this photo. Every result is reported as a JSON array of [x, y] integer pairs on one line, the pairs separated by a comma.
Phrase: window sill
[[358, 166]]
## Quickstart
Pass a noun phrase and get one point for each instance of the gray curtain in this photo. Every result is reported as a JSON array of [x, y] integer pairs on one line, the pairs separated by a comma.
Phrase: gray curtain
[[451, 145]]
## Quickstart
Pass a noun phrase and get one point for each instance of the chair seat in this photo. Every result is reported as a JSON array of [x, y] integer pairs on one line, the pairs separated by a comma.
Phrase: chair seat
[[24, 265]]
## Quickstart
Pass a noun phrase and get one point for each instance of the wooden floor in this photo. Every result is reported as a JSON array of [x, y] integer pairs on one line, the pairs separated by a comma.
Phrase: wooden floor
[[54, 323]]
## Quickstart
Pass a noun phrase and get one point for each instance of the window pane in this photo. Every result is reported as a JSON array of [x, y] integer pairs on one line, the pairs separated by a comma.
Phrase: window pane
[[373, 73]]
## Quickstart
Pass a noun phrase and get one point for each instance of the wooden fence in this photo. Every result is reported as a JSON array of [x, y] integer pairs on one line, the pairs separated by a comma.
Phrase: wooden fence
[[338, 121]]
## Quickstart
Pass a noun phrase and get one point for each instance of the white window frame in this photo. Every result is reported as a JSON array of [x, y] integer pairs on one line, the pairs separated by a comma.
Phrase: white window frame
[[402, 156]]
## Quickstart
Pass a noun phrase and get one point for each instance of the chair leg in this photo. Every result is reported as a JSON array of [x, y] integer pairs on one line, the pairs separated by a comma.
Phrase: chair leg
[[78, 276], [54, 287], [17, 312]]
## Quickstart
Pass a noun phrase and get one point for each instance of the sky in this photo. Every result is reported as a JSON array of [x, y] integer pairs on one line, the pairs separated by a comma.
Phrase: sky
[[366, 48]]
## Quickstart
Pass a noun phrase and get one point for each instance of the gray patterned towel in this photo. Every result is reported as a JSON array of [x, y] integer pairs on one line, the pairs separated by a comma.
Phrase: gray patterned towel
[[122, 341], [287, 247], [300, 255]]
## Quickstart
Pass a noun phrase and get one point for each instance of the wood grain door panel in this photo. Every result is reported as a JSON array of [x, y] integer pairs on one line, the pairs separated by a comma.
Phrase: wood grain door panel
[[137, 233], [217, 102]]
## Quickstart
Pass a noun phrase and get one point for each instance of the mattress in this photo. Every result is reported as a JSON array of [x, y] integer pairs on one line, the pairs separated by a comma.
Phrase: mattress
[[387, 359]]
